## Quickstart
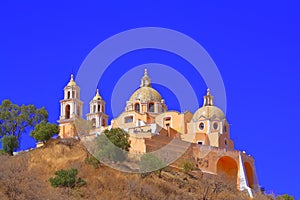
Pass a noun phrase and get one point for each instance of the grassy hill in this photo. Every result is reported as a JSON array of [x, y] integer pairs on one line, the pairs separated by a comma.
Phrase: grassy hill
[[26, 176]]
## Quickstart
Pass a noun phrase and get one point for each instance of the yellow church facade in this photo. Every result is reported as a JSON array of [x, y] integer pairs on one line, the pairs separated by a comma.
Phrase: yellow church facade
[[151, 126]]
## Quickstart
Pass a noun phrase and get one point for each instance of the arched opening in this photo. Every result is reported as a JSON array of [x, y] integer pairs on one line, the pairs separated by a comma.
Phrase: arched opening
[[68, 95], [103, 122], [99, 108], [151, 107], [249, 174], [94, 123], [67, 112], [167, 122], [227, 168], [137, 107], [78, 111]]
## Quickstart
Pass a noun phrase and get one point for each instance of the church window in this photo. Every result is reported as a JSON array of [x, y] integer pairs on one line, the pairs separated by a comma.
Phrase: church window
[[151, 107], [98, 108], [199, 142], [103, 122], [224, 129], [94, 123], [137, 107], [67, 112], [201, 126], [225, 142], [215, 125], [69, 94], [128, 119], [167, 121], [78, 111]]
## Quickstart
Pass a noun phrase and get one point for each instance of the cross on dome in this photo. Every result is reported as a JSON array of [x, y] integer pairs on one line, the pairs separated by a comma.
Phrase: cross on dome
[[208, 99], [146, 81]]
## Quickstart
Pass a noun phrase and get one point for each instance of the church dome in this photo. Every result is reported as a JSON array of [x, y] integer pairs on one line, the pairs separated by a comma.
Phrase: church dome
[[72, 82], [208, 110], [97, 96], [145, 94]]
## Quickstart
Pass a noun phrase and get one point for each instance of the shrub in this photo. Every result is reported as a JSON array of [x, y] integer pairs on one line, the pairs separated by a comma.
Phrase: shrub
[[91, 160], [187, 166], [66, 178]]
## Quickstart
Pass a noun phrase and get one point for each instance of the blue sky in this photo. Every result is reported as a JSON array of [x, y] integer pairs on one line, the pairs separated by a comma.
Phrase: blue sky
[[255, 45]]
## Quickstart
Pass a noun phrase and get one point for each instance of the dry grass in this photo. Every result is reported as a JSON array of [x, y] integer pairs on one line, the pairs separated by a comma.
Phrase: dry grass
[[27, 177]]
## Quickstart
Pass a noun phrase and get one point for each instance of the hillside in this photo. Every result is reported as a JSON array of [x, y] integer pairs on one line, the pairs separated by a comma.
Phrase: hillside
[[26, 176]]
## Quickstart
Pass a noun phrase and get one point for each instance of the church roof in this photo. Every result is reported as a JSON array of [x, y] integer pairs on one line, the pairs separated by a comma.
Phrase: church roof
[[97, 96], [72, 82], [145, 92]]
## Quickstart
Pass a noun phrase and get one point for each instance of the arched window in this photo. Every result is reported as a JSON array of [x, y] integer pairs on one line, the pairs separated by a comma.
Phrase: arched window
[[167, 121], [68, 95], [215, 125], [67, 112], [128, 119], [137, 107], [151, 107], [201, 126], [94, 123], [78, 111], [103, 122]]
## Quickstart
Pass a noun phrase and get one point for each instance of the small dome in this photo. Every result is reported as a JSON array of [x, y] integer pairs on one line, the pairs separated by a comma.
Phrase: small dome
[[97, 96], [145, 94], [209, 112], [72, 82]]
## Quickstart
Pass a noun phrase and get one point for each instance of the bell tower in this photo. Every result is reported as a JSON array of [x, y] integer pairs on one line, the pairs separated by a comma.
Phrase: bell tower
[[97, 112], [70, 109]]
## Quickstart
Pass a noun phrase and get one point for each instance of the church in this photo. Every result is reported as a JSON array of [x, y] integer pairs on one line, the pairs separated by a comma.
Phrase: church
[[151, 126]]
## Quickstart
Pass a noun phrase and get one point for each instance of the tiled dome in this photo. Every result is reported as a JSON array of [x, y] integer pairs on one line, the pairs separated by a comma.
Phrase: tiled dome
[[145, 94]]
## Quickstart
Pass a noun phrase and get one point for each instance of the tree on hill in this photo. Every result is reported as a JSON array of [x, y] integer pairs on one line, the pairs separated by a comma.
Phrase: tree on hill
[[285, 197], [118, 137], [44, 131], [15, 119], [111, 145], [149, 163], [9, 144], [107, 151]]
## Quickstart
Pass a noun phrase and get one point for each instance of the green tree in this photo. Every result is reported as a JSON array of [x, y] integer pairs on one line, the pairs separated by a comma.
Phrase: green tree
[[44, 131], [107, 151], [9, 144], [14, 119], [285, 197], [149, 163], [118, 137], [66, 178], [187, 166]]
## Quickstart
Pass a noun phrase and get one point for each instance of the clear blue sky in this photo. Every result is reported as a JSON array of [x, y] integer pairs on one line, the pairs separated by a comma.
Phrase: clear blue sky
[[255, 44]]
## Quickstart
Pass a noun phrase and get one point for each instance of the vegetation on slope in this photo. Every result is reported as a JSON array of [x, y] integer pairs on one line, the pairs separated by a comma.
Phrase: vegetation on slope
[[26, 176]]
